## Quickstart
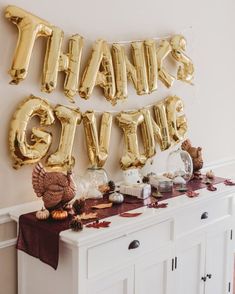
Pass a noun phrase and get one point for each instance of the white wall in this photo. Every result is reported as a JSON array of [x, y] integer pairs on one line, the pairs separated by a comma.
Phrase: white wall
[[209, 104]]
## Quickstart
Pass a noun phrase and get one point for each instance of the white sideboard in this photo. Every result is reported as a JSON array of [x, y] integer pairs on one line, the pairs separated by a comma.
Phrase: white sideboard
[[186, 248]]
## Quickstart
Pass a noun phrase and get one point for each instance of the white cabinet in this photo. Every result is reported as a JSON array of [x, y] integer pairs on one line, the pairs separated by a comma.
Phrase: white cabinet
[[121, 282], [219, 262], [204, 263], [189, 265], [200, 263], [153, 272], [186, 248]]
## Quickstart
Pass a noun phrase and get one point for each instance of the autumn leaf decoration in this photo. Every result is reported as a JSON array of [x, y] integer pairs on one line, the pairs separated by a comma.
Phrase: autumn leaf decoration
[[212, 188], [229, 182], [129, 214], [102, 206], [97, 224], [192, 194], [157, 205]]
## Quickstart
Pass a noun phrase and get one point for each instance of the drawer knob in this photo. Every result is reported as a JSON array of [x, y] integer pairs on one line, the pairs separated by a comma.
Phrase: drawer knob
[[204, 279], [134, 244], [204, 215], [209, 276]]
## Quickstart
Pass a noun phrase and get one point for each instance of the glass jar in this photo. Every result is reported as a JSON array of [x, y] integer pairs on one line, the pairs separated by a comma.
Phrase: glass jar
[[179, 164], [95, 177]]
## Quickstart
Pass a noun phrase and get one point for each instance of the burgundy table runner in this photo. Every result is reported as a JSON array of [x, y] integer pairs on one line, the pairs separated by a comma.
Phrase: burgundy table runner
[[40, 239]]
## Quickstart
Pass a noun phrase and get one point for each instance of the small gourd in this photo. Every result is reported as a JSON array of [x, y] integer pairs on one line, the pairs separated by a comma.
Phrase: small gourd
[[42, 214], [59, 214], [116, 198], [179, 180], [210, 175]]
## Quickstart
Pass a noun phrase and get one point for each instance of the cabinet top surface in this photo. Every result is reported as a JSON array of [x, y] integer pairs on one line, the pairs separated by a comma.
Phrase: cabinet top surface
[[121, 225]]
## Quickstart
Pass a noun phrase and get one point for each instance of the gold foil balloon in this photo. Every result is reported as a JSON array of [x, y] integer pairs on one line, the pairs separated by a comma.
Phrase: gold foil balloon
[[23, 152], [107, 70], [72, 66], [155, 130], [151, 64], [69, 118], [138, 73], [30, 28], [163, 51], [148, 133], [56, 61], [129, 122], [119, 63], [97, 146], [160, 127], [185, 73], [177, 121], [99, 71], [52, 60]]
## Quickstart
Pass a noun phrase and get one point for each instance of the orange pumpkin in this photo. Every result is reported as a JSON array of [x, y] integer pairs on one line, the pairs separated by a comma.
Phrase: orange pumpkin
[[59, 214]]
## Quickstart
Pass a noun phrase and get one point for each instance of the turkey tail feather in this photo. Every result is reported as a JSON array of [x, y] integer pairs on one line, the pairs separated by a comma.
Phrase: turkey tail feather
[[38, 176]]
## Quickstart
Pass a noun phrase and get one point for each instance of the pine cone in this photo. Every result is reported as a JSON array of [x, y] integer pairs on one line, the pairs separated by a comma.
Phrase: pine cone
[[79, 206], [76, 224], [145, 179], [111, 185]]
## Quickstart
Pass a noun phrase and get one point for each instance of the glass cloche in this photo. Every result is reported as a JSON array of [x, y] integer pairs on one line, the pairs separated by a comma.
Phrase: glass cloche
[[95, 177], [179, 164]]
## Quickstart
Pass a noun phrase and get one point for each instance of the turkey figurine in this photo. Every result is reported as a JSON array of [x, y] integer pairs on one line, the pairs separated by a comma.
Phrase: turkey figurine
[[55, 188], [195, 153]]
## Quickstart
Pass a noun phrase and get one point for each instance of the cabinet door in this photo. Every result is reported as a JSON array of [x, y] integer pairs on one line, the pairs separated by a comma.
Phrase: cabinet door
[[153, 272], [190, 265], [121, 282], [219, 261]]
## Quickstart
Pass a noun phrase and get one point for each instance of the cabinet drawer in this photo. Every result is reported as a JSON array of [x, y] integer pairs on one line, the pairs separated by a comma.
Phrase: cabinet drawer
[[117, 251], [201, 215]]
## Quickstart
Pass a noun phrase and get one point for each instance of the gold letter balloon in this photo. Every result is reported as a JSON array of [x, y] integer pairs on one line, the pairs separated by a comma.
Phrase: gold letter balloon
[[177, 121], [97, 146], [22, 152], [108, 67], [69, 118], [167, 127], [129, 122], [185, 73]]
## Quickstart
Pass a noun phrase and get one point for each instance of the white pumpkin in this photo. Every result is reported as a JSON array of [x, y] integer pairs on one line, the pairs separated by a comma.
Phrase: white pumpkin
[[210, 175], [116, 197], [42, 214], [179, 180]]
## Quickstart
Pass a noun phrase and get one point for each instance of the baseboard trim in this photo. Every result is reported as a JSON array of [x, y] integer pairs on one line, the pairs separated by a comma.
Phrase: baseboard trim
[[8, 243]]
